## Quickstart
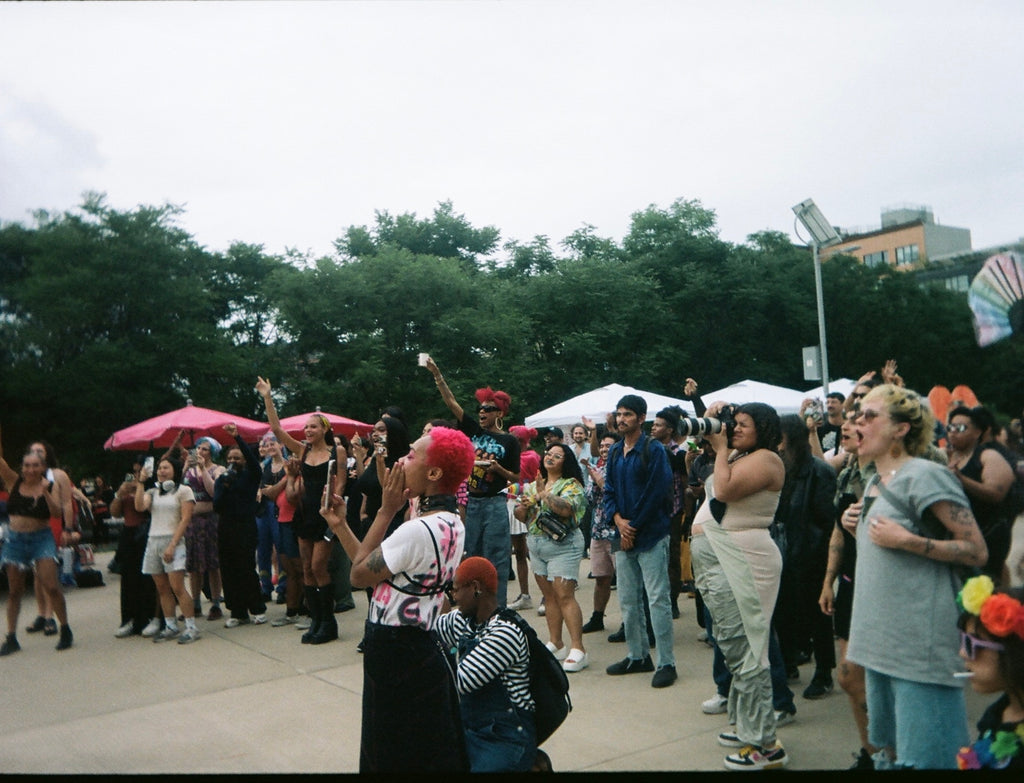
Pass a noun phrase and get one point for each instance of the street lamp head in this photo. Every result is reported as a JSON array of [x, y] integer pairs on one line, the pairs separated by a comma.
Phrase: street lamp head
[[810, 216]]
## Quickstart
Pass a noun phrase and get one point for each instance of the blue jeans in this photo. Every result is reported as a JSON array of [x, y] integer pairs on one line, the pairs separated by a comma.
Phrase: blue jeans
[[926, 724], [488, 535], [634, 572], [266, 542]]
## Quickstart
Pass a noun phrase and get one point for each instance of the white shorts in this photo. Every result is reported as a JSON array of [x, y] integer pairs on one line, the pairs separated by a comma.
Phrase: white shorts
[[153, 559], [515, 527]]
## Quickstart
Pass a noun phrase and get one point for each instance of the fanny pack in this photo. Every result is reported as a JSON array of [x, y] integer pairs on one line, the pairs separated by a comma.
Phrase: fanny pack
[[554, 526]]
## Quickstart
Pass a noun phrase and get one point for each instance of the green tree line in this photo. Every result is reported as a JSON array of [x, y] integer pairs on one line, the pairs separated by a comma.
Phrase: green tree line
[[108, 317]]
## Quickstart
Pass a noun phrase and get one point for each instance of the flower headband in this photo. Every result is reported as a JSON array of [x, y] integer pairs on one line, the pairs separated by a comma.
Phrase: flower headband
[[1001, 614]]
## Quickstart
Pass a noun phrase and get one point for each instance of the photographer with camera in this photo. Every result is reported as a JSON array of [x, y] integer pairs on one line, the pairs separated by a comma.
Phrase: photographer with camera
[[823, 424], [737, 567]]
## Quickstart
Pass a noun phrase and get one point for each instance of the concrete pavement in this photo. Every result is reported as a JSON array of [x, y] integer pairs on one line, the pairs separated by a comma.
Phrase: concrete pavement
[[254, 700]]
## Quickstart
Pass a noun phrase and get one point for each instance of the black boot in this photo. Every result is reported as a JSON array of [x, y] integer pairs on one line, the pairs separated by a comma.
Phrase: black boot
[[328, 630], [595, 623], [315, 613], [66, 637], [10, 645]]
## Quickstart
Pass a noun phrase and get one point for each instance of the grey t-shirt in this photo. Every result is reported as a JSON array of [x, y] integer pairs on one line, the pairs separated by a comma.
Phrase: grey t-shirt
[[905, 615]]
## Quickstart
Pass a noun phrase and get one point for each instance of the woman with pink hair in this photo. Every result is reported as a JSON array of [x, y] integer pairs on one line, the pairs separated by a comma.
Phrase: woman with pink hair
[[496, 466], [405, 673]]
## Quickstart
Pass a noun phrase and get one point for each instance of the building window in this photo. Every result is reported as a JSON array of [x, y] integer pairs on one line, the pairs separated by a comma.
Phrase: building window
[[906, 255], [960, 283], [877, 259]]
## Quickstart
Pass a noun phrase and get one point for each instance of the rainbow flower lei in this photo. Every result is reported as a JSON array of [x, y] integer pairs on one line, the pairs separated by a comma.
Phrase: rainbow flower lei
[[999, 613], [993, 750], [1002, 616]]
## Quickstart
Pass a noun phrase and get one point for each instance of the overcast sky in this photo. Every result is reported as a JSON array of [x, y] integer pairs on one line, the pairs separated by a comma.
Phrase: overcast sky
[[282, 123]]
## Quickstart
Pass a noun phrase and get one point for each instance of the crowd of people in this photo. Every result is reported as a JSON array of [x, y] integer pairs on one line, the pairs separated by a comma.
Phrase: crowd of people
[[862, 534]]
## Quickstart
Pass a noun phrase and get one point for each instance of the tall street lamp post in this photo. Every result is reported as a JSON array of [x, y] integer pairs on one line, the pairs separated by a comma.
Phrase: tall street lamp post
[[822, 235]]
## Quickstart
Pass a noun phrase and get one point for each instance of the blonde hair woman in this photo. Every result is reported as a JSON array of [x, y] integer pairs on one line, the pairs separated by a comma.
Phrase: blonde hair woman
[[912, 526]]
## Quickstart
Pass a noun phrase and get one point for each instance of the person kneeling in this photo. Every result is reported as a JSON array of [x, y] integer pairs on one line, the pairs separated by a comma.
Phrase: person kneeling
[[493, 672]]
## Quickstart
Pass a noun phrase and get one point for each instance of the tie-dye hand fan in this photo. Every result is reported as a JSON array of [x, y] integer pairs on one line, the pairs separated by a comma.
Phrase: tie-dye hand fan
[[996, 298]]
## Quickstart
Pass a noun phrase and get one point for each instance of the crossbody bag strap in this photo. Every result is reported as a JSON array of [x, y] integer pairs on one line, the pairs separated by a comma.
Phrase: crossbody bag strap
[[424, 590]]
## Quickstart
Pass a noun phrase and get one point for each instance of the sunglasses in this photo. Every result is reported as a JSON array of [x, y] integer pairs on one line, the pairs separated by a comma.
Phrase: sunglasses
[[969, 645], [867, 414], [488, 408], [957, 428]]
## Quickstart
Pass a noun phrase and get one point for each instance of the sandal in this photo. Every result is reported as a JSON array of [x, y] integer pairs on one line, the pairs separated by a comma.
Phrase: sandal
[[576, 661], [560, 653]]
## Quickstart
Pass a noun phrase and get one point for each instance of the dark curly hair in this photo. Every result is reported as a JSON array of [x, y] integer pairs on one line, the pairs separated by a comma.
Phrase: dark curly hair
[[570, 465], [766, 424]]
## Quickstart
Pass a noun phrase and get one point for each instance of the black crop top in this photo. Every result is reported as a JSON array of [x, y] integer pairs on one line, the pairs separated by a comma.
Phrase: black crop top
[[22, 506]]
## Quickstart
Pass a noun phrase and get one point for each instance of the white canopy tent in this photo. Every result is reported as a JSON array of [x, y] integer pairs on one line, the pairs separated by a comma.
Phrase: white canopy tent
[[842, 385], [779, 397], [596, 404]]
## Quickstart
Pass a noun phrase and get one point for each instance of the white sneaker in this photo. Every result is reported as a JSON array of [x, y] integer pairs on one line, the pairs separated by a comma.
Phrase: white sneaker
[[259, 619], [303, 623], [560, 653], [188, 636], [716, 705], [784, 718], [283, 620], [540, 609], [166, 634], [522, 602], [153, 628], [125, 630], [234, 622]]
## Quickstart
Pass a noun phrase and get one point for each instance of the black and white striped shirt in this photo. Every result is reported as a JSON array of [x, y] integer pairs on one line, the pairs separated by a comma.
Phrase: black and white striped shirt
[[502, 653]]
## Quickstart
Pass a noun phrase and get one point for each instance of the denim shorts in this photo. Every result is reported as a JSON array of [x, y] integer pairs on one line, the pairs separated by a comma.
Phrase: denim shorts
[[25, 549], [289, 545], [553, 559], [153, 560]]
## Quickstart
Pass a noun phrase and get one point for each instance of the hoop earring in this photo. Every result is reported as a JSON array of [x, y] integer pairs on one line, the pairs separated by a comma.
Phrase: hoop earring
[[499, 423]]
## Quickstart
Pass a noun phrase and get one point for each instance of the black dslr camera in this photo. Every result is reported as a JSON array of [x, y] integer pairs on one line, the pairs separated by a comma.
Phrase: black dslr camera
[[698, 428]]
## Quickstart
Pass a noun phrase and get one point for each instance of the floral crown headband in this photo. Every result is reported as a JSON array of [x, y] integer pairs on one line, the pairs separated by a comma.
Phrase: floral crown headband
[[1001, 614]]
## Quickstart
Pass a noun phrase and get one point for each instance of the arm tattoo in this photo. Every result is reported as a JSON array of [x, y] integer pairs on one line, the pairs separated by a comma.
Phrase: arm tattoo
[[375, 562], [961, 517]]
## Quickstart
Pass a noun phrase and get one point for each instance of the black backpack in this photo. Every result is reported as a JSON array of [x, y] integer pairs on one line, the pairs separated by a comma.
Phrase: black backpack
[[549, 684]]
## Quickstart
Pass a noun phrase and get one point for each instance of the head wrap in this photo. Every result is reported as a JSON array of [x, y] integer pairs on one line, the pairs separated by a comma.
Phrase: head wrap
[[215, 447]]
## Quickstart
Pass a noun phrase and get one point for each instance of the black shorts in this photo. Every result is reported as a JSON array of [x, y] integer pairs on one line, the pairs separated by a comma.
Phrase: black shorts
[[843, 608], [310, 529]]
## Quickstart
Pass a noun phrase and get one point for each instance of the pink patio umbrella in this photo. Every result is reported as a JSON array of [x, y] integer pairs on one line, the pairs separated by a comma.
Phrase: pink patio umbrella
[[160, 431], [293, 425]]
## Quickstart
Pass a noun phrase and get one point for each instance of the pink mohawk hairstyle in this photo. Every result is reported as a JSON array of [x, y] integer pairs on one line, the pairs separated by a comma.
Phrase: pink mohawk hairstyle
[[523, 434], [499, 398], [453, 452]]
